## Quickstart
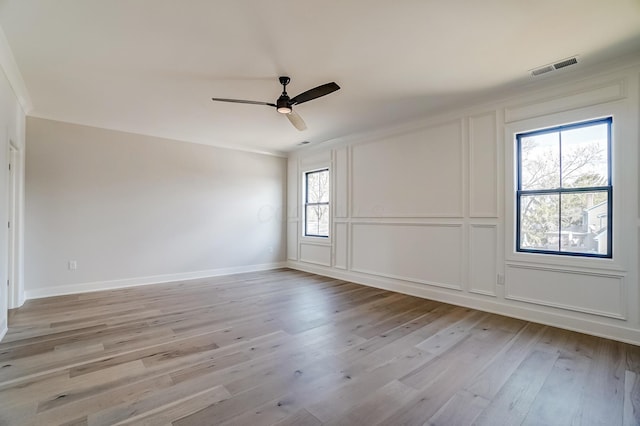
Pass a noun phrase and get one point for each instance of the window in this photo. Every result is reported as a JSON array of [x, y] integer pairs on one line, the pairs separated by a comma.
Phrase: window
[[564, 192], [316, 203]]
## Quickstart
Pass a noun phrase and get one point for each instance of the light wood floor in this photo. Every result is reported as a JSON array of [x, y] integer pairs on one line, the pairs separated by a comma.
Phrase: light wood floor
[[289, 348]]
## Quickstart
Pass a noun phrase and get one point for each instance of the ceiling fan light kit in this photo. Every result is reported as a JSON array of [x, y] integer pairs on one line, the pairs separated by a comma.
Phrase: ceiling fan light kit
[[284, 104]]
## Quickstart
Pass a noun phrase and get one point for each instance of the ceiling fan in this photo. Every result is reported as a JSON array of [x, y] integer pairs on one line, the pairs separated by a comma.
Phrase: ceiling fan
[[284, 104]]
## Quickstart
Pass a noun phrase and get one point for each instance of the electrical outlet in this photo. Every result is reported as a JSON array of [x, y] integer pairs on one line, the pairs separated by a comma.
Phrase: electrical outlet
[[73, 265], [270, 249], [501, 279]]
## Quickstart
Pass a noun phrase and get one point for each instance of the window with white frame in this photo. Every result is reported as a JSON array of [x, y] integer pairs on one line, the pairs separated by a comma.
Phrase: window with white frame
[[316, 203], [564, 190]]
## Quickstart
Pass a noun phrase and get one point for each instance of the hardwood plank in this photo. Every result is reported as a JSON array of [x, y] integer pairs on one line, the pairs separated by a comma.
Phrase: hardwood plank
[[292, 348], [362, 377], [299, 418], [125, 395], [603, 400], [512, 403], [559, 398], [631, 405], [407, 315], [173, 410], [298, 375], [388, 398], [462, 409], [448, 373], [115, 376], [415, 330], [490, 381], [448, 337]]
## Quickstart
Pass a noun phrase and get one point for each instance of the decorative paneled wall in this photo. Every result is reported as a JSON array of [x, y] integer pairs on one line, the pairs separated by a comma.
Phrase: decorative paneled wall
[[399, 206], [429, 210]]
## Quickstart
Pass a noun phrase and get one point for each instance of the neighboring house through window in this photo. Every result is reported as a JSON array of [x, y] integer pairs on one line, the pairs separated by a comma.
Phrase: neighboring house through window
[[316, 203], [564, 190]]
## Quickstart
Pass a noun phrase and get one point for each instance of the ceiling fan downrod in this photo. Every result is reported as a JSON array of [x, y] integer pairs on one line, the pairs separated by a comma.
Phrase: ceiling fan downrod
[[283, 104]]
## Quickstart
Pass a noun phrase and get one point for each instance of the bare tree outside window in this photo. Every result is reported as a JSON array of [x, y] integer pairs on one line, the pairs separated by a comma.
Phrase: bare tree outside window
[[316, 222], [564, 190]]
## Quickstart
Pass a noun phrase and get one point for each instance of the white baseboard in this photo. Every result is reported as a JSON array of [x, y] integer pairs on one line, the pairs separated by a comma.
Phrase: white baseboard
[[138, 281], [517, 310], [3, 332]]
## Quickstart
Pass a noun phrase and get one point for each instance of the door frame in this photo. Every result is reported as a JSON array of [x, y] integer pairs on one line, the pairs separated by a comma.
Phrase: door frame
[[13, 236]]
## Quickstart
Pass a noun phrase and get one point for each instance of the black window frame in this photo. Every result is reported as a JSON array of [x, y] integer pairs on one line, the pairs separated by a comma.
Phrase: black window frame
[[608, 188], [307, 204]]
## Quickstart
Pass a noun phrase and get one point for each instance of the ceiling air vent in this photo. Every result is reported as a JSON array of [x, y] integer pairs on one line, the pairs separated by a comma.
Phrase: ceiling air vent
[[554, 67], [539, 71], [565, 63]]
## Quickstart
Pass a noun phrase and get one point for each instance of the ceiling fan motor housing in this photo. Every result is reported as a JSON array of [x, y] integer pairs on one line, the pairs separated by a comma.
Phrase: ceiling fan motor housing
[[283, 104]]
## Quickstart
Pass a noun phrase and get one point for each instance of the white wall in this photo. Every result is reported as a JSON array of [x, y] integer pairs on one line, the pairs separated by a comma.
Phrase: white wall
[[428, 208], [11, 133], [132, 209]]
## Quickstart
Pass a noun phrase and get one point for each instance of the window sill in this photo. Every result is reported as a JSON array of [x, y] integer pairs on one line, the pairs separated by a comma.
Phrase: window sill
[[596, 265], [320, 241]]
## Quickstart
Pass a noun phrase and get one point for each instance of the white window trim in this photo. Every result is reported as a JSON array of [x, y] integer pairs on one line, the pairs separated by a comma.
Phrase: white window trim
[[310, 239], [620, 220]]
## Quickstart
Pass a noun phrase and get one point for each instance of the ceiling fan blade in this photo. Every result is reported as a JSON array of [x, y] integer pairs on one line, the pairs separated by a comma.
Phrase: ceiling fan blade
[[240, 101], [297, 121], [314, 93]]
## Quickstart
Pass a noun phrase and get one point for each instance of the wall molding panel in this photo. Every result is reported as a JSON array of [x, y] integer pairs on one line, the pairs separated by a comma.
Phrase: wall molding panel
[[293, 227], [483, 250], [483, 166], [592, 293], [341, 248], [341, 183], [317, 254], [414, 162], [293, 190], [428, 254]]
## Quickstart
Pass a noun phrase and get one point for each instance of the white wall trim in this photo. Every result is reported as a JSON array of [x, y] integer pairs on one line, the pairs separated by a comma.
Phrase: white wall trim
[[618, 278], [11, 70], [3, 332], [472, 148], [470, 264], [520, 311], [139, 281]]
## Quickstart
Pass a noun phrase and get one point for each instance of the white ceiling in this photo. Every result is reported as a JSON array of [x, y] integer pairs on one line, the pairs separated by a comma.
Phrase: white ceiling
[[151, 66]]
